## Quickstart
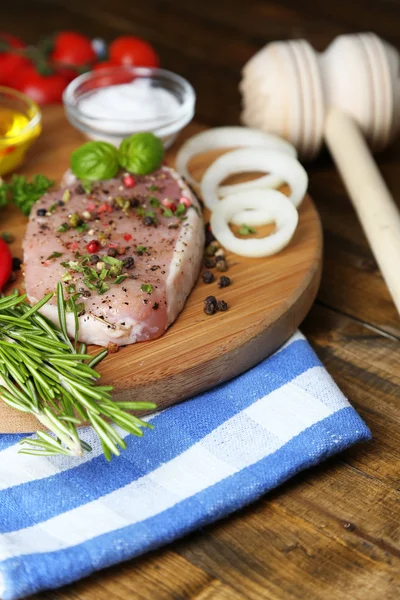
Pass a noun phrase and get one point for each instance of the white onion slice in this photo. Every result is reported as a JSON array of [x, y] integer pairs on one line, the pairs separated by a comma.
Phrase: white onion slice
[[254, 159], [279, 209], [229, 137]]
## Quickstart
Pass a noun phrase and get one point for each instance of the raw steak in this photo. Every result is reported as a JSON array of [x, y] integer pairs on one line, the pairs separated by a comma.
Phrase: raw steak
[[120, 303]]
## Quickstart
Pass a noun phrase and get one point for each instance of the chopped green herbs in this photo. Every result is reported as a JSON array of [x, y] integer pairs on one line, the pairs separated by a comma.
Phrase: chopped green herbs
[[54, 255], [167, 212], [146, 287], [152, 188], [141, 250], [180, 210], [246, 229], [63, 228], [154, 202]]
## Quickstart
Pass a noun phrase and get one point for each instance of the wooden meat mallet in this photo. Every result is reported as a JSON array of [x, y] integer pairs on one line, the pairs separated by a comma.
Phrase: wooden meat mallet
[[348, 94]]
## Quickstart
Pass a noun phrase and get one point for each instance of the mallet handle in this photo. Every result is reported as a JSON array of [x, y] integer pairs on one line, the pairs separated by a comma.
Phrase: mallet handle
[[375, 207]]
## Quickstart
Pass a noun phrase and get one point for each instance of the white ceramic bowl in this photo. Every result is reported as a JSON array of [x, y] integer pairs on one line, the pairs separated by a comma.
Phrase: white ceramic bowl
[[112, 128]]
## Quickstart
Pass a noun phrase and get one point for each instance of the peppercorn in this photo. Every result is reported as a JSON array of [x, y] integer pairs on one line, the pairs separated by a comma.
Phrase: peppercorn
[[75, 220], [221, 265], [210, 237], [128, 181], [93, 247], [224, 281], [208, 276], [94, 259], [222, 305], [149, 221], [210, 305], [16, 263], [79, 189], [134, 202], [209, 262], [211, 248], [111, 252], [128, 262], [41, 212], [155, 306], [211, 300]]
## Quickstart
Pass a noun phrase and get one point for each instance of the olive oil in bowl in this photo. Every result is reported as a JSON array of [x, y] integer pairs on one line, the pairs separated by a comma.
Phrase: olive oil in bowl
[[20, 125]]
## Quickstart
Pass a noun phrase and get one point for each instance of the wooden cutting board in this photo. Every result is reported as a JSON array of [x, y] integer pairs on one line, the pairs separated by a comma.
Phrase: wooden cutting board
[[267, 300]]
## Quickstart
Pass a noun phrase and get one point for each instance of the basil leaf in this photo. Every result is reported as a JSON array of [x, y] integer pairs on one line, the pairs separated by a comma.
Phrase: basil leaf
[[141, 153], [95, 160]]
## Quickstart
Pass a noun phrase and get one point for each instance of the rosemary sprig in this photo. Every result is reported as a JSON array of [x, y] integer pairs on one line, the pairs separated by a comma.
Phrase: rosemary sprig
[[43, 373]]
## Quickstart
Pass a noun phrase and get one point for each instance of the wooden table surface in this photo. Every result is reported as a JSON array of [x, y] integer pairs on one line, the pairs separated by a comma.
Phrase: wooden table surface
[[332, 532]]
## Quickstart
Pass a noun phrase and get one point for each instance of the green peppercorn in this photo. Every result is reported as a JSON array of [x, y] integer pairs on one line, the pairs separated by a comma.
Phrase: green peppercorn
[[75, 220]]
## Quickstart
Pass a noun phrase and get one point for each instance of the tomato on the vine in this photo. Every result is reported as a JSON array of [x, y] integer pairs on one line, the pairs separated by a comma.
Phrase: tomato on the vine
[[73, 48], [43, 89], [10, 63], [129, 50]]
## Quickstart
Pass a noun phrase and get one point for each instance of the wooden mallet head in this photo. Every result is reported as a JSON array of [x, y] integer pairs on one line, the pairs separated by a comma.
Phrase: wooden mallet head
[[346, 95]]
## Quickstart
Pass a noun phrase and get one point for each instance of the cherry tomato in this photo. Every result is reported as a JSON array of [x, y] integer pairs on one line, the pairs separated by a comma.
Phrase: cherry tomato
[[73, 48], [105, 64], [10, 63], [43, 89], [129, 50], [5, 263]]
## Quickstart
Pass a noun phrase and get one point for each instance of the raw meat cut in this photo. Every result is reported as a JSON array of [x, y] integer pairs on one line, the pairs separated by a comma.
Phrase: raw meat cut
[[131, 253]]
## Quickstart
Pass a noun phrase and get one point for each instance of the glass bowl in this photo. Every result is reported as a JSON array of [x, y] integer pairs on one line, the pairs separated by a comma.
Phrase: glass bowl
[[107, 124], [20, 125]]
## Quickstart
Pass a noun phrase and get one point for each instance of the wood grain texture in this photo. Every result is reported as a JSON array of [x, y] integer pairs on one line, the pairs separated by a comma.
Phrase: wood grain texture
[[333, 532], [268, 298]]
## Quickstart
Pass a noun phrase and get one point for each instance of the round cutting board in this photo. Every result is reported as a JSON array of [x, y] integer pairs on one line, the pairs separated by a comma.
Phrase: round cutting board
[[267, 301]]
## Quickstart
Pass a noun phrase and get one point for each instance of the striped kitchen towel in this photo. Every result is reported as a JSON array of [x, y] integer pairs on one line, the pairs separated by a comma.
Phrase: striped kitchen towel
[[62, 518]]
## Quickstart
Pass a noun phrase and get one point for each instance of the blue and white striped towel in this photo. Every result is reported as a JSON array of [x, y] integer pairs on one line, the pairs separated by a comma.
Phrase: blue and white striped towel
[[61, 519]]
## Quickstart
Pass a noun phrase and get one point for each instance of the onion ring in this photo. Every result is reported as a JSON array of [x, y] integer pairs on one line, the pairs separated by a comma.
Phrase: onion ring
[[279, 209], [230, 137], [251, 159]]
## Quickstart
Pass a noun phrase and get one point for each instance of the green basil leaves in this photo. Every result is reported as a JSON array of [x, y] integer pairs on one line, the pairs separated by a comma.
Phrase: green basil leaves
[[140, 154], [95, 160]]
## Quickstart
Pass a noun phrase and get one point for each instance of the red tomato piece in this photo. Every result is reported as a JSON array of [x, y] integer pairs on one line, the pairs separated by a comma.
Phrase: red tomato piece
[[43, 89], [129, 50], [5, 263], [73, 48]]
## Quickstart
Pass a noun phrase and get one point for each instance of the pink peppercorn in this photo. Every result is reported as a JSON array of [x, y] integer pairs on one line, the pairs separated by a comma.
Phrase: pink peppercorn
[[167, 203], [128, 181], [185, 201]]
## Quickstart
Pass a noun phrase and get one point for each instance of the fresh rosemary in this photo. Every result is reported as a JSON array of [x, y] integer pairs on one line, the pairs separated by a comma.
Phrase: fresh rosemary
[[44, 373]]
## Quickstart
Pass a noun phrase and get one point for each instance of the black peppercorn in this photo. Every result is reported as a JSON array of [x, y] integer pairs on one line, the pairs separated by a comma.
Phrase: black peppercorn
[[128, 262], [41, 212], [94, 259], [224, 281], [112, 252], [16, 263], [210, 237], [222, 305], [221, 264], [79, 189], [149, 221], [209, 262], [210, 305], [155, 306], [134, 202], [207, 277]]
